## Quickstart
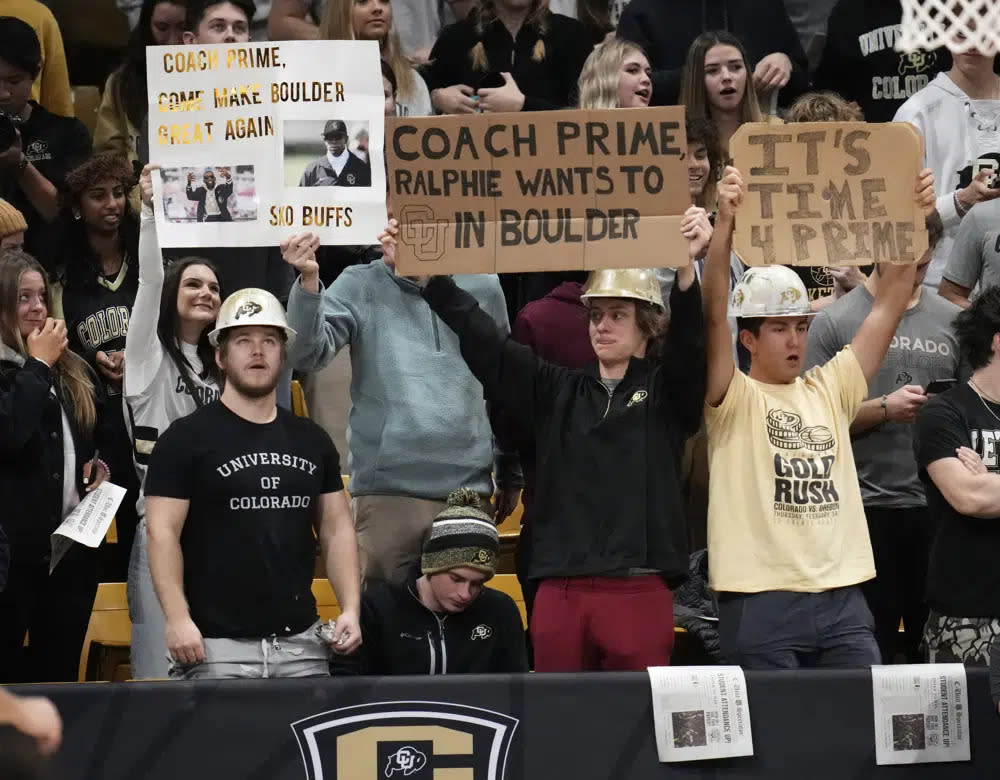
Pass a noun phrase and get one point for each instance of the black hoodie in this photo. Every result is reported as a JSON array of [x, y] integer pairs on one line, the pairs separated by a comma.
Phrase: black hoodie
[[666, 29], [860, 62], [402, 636]]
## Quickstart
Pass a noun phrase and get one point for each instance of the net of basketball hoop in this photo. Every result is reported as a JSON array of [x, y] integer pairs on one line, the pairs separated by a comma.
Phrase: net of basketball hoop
[[960, 25]]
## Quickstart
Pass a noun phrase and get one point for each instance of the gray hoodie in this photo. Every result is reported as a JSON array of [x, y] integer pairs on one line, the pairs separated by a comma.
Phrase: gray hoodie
[[418, 424]]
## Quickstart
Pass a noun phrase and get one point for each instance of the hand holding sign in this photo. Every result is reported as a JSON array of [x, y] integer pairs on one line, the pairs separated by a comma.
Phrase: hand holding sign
[[389, 238], [925, 195], [505, 99], [299, 251], [772, 72], [697, 229], [730, 194], [146, 184]]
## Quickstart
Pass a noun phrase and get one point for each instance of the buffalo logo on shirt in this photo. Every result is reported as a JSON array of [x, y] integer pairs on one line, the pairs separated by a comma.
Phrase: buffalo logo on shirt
[[248, 309], [416, 740], [918, 61], [37, 151], [407, 760], [481, 631], [637, 398]]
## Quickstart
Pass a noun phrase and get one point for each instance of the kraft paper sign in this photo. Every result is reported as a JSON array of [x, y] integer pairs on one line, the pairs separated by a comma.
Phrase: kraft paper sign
[[829, 193], [540, 191], [260, 141]]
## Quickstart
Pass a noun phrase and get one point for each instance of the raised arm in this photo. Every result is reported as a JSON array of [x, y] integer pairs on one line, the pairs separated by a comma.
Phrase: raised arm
[[143, 351], [683, 363], [895, 288], [715, 290], [289, 21]]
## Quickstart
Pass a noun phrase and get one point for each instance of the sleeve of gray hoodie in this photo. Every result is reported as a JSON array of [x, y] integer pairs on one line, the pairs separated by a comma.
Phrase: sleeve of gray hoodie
[[911, 111], [325, 321], [506, 463]]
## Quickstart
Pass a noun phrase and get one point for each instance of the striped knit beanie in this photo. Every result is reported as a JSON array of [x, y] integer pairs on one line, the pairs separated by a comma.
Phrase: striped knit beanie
[[11, 220], [462, 535]]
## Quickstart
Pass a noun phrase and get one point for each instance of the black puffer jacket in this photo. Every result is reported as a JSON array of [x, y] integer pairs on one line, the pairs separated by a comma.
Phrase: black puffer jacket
[[696, 609], [608, 487], [31, 456]]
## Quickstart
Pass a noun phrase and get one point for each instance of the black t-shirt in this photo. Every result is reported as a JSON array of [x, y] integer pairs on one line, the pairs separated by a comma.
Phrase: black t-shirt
[[55, 145], [963, 577], [248, 544]]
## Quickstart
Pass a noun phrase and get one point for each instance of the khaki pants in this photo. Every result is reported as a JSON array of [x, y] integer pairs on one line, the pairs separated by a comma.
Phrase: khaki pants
[[391, 532]]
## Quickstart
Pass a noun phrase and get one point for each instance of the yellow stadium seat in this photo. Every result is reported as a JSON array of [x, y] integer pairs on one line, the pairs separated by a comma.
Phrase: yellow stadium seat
[[105, 648], [507, 583], [299, 405], [326, 600], [512, 525]]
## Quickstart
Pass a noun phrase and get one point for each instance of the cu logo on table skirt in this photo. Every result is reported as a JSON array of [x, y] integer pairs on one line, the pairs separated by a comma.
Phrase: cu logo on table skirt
[[416, 740]]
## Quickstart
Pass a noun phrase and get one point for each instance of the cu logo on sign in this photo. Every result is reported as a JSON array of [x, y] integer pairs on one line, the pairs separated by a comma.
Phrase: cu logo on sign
[[406, 760], [423, 233]]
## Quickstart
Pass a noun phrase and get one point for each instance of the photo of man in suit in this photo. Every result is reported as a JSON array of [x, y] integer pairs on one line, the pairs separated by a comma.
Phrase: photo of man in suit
[[339, 167], [213, 198]]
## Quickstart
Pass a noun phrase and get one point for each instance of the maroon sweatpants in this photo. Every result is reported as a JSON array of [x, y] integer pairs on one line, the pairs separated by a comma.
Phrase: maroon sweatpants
[[587, 624]]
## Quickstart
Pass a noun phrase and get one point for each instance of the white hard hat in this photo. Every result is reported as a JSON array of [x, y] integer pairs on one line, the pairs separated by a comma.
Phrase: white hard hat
[[639, 284], [770, 291], [251, 306]]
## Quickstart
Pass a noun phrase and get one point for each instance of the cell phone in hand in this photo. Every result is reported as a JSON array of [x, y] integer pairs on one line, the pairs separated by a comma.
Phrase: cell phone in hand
[[940, 385]]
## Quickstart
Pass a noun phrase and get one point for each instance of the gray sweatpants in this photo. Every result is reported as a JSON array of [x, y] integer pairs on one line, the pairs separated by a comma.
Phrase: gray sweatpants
[[298, 655], [149, 642]]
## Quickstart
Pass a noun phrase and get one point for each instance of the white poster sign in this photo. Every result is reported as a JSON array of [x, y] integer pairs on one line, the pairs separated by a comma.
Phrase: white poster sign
[[921, 713], [256, 142], [88, 523], [700, 712]]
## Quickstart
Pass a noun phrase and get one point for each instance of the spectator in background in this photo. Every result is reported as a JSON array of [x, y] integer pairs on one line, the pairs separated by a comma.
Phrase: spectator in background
[[50, 85], [372, 20], [390, 86], [46, 146], [923, 350], [258, 23], [470, 629], [418, 423], [418, 22], [975, 256], [716, 86], [508, 55], [826, 284], [218, 21], [956, 451], [666, 28], [704, 158], [12, 227], [809, 18], [860, 62], [958, 115], [50, 411], [169, 372], [594, 15], [121, 118], [100, 268]]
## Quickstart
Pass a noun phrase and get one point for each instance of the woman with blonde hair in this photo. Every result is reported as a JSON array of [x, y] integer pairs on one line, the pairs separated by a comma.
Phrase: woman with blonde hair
[[508, 55], [50, 405], [715, 84], [371, 20]]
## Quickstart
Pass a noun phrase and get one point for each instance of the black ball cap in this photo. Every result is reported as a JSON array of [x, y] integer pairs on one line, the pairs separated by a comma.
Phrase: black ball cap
[[334, 127]]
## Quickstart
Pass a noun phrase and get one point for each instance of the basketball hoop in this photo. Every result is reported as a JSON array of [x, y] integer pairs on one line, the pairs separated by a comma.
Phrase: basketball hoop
[[960, 25]]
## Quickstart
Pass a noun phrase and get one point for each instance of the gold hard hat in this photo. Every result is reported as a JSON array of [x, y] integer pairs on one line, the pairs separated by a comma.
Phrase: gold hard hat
[[639, 284]]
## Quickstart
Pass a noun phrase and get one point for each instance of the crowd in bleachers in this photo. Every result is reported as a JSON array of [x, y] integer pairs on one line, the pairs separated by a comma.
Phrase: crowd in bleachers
[[828, 433]]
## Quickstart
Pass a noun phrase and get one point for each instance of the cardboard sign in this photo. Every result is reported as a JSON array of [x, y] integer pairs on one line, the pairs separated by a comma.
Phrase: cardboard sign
[[260, 141], [829, 193], [541, 191]]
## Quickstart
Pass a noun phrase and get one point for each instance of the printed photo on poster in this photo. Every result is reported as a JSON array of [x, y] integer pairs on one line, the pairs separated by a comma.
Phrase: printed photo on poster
[[219, 193], [327, 153]]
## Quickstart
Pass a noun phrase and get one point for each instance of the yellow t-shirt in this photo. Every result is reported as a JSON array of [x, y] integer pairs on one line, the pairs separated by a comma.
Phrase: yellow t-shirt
[[784, 505]]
